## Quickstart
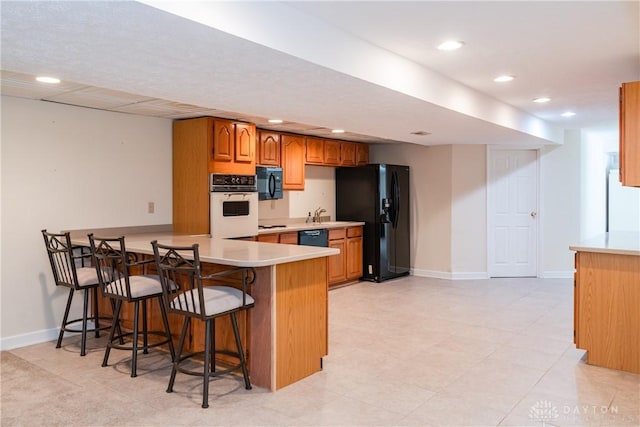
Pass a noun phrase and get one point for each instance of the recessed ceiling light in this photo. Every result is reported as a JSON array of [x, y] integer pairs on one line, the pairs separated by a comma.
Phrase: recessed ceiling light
[[451, 45], [542, 100], [47, 79], [337, 131], [275, 121], [502, 79], [568, 114], [421, 133]]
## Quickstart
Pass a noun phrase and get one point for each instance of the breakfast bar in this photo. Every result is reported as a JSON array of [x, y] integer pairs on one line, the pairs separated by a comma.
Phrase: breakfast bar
[[607, 300], [285, 333]]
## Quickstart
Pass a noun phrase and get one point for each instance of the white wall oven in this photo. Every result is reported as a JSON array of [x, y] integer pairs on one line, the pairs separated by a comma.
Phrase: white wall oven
[[234, 206]]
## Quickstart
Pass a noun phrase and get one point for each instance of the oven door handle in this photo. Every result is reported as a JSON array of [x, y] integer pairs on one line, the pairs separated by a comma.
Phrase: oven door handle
[[236, 194]]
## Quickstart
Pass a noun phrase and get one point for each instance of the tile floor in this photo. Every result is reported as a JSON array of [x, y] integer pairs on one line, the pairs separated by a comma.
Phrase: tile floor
[[412, 351]]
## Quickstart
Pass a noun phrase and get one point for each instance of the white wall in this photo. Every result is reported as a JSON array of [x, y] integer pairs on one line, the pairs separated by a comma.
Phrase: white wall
[[560, 205], [593, 180], [66, 167], [469, 212]]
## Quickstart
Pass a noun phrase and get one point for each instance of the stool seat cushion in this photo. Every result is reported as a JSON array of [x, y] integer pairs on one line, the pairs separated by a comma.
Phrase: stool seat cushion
[[217, 299], [141, 286], [87, 276]]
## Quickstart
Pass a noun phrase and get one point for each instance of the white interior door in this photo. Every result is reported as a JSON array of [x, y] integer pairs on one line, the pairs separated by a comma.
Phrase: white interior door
[[513, 213]]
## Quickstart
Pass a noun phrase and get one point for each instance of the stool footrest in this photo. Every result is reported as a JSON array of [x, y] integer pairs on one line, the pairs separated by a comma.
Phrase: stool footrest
[[199, 372], [66, 327], [129, 346]]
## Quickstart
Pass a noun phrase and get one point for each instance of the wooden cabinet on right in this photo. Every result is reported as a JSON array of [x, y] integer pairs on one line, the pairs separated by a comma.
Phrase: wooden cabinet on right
[[629, 155], [606, 309]]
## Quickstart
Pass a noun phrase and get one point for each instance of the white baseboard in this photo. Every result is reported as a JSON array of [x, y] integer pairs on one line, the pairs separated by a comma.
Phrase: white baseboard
[[38, 337], [23, 340], [471, 275], [479, 275], [557, 274]]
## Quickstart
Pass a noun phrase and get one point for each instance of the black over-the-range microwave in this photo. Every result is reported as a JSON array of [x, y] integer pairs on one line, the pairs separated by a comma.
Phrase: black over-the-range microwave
[[269, 182]]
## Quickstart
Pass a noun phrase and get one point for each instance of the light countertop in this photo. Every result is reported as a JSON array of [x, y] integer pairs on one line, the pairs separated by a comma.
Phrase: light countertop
[[236, 253], [617, 242]]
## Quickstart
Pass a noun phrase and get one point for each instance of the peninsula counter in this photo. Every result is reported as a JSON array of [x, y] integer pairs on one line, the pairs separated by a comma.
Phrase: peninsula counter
[[607, 300], [285, 333]]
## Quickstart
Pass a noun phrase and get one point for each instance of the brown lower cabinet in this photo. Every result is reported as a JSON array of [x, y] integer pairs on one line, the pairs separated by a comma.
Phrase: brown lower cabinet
[[342, 268], [337, 263], [347, 266], [607, 309]]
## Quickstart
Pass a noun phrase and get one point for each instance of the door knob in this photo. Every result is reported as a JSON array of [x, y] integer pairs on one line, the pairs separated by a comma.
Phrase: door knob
[[534, 215]]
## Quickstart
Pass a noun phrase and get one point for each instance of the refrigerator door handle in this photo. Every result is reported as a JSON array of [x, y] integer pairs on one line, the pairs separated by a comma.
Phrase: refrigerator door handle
[[395, 199]]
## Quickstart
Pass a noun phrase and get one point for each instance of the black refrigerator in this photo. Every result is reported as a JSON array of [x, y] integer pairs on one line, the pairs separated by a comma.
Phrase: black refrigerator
[[378, 195]]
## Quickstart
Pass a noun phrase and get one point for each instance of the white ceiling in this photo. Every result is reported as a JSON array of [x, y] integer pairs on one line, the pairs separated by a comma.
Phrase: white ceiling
[[370, 68]]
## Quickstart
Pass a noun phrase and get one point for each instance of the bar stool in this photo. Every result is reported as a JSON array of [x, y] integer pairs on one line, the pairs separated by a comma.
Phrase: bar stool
[[114, 266], [63, 258], [180, 266]]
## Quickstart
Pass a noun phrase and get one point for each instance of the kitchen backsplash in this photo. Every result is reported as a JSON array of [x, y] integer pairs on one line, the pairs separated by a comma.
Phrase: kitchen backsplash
[[319, 191]]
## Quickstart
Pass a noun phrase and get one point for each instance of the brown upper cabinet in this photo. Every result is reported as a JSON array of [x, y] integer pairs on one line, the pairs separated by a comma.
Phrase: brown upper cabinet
[[292, 160], [233, 148], [315, 151], [331, 152], [268, 148], [629, 155], [348, 153], [362, 154]]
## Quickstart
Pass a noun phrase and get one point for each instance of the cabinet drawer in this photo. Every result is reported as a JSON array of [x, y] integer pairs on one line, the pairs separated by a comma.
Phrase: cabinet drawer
[[268, 238], [290, 238], [354, 231], [337, 233]]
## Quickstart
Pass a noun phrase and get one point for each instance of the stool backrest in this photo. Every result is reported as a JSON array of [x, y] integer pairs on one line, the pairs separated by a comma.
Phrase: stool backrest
[[180, 266], [180, 272], [62, 258], [112, 265]]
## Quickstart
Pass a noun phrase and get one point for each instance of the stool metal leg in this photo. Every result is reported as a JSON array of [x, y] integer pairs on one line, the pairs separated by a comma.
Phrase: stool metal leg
[[243, 364], [96, 317], [134, 358], [145, 336], [176, 362], [64, 318], [165, 320], [85, 310], [213, 344], [207, 361], [114, 325]]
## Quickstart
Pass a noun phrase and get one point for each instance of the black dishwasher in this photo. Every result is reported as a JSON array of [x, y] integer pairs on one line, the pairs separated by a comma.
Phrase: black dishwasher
[[314, 237]]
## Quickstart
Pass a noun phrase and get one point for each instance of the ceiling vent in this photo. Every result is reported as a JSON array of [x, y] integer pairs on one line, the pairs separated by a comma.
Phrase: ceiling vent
[[421, 133]]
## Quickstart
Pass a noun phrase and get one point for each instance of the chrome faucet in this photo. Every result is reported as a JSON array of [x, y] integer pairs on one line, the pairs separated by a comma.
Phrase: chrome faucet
[[317, 213]]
